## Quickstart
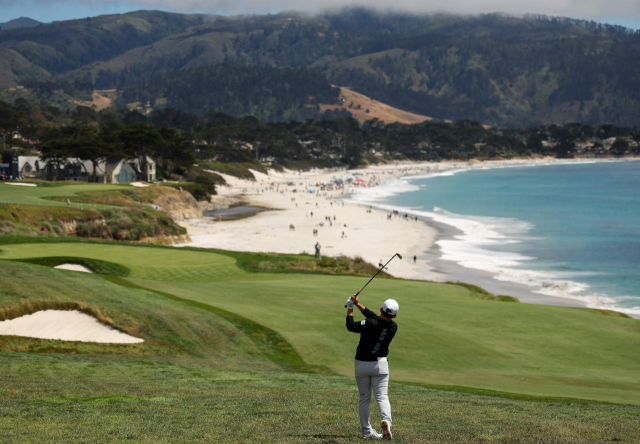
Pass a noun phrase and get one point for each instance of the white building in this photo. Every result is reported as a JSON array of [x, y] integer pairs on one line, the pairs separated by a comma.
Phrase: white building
[[32, 167], [109, 171]]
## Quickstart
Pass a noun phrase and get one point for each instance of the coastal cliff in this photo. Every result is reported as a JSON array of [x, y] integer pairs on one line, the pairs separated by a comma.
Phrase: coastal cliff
[[179, 206]]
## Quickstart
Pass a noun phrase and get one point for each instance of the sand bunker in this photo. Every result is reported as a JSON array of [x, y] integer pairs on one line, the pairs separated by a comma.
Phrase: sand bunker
[[66, 326], [22, 184], [139, 184], [74, 267]]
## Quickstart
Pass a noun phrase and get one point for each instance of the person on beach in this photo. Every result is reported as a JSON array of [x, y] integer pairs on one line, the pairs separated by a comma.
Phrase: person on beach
[[371, 365], [318, 250]]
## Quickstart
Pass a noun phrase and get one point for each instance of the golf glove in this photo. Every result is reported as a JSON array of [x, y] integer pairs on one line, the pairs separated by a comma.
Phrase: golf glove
[[349, 304]]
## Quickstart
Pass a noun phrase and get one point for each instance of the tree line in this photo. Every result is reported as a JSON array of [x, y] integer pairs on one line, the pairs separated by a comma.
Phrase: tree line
[[179, 141]]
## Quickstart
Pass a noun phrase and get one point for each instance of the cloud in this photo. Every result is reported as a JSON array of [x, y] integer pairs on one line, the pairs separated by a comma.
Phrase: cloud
[[584, 9], [589, 9]]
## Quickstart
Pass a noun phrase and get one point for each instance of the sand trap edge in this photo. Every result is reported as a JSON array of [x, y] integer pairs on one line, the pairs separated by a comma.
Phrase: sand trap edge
[[65, 325]]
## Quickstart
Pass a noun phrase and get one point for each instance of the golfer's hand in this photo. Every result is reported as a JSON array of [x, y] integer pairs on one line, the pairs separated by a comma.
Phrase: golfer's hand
[[349, 304], [354, 298]]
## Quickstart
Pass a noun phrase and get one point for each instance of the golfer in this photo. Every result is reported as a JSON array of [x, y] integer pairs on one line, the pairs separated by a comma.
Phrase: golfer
[[371, 366]]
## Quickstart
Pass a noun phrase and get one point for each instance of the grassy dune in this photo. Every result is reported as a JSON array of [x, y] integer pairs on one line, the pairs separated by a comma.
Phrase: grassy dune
[[447, 336]]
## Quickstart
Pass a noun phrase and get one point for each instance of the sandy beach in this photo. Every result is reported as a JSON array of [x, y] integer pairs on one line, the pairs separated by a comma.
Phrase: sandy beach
[[345, 227], [353, 229]]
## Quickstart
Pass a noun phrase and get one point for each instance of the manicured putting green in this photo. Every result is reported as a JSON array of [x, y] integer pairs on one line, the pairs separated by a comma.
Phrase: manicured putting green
[[445, 336], [41, 194]]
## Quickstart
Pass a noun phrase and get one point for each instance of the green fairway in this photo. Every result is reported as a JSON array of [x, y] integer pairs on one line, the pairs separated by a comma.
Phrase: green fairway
[[42, 194], [446, 336]]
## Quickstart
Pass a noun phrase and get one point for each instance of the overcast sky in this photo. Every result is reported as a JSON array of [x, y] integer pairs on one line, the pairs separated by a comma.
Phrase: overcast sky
[[620, 12]]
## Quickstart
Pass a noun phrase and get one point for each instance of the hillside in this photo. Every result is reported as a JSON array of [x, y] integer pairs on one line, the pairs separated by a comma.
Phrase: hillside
[[272, 94], [363, 108], [15, 67], [497, 69], [22, 22], [100, 99]]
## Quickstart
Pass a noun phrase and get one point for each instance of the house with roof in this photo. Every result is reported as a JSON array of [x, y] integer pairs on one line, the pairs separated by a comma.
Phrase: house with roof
[[109, 171], [144, 170]]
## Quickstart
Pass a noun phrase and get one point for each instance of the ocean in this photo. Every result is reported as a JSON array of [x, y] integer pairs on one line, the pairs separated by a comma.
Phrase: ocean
[[564, 230]]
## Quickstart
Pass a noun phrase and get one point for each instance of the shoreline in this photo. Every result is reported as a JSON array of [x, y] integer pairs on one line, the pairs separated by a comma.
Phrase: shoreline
[[359, 228]]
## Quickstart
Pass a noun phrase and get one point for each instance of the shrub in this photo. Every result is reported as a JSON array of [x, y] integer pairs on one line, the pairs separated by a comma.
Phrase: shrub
[[134, 224]]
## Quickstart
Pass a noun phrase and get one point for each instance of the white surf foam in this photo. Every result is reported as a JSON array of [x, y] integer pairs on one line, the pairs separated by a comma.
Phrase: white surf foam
[[389, 188], [474, 248]]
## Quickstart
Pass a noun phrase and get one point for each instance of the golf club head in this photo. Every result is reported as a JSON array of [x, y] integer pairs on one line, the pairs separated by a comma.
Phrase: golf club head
[[398, 254]]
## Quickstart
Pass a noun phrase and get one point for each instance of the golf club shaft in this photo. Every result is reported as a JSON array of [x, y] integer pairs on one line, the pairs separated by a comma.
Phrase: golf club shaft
[[383, 267]]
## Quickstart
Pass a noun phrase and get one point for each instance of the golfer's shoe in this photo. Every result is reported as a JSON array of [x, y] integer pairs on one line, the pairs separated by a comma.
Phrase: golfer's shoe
[[373, 435], [386, 429]]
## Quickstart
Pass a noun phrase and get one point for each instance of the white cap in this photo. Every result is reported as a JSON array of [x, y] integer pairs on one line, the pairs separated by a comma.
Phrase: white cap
[[390, 307]]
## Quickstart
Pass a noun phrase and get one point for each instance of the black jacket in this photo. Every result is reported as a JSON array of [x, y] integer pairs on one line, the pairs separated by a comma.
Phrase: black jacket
[[375, 335]]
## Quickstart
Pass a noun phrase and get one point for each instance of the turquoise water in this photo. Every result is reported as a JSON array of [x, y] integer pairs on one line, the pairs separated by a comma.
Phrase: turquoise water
[[563, 230]]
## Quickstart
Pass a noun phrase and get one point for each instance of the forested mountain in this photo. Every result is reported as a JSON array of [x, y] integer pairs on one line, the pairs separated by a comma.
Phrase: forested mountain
[[499, 70], [271, 94]]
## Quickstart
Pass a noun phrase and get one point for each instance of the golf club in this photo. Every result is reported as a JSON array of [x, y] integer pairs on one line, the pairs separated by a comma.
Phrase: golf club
[[383, 267]]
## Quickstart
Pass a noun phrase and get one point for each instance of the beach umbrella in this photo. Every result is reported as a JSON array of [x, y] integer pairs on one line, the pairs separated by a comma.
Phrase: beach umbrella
[[359, 180]]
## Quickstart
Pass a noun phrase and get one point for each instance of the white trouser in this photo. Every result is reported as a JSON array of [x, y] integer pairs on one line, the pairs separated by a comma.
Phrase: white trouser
[[373, 374]]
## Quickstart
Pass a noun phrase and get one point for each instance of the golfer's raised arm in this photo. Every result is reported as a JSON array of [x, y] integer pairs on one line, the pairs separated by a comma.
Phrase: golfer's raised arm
[[352, 326], [364, 310], [357, 303]]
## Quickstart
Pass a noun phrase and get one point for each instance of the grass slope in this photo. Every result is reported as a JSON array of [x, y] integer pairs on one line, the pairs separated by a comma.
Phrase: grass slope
[[447, 336], [123, 195], [42, 210], [364, 108], [169, 328], [107, 399]]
